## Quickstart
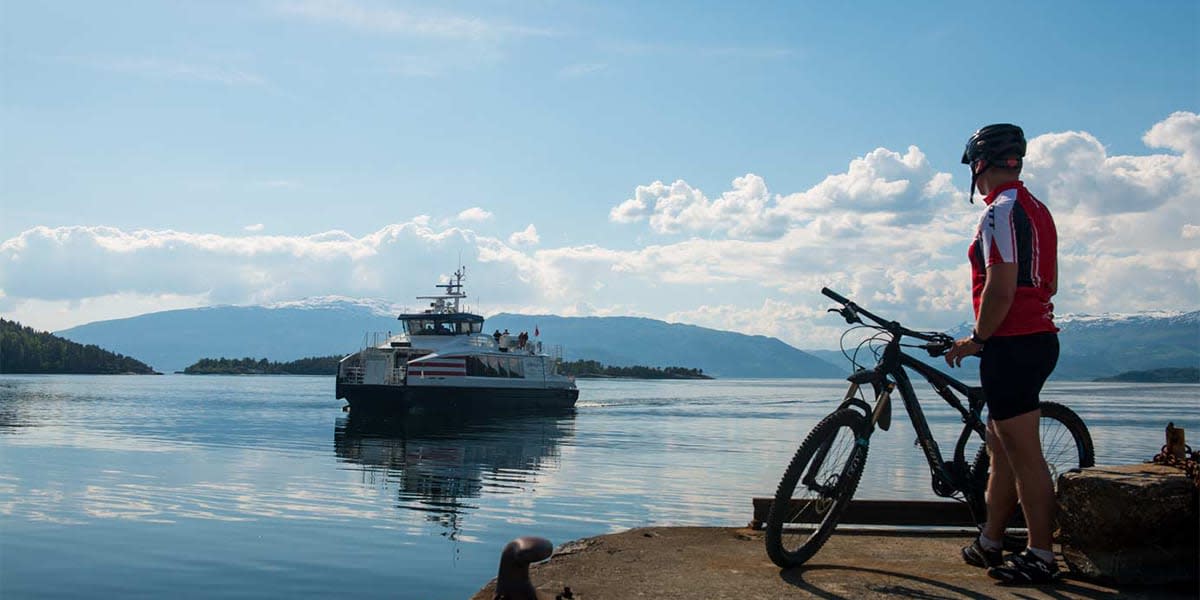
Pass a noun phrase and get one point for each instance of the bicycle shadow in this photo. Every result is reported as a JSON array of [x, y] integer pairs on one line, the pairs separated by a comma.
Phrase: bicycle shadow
[[924, 588]]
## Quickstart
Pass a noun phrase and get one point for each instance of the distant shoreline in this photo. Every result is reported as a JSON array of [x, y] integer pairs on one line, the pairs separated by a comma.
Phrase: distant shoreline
[[1167, 375]]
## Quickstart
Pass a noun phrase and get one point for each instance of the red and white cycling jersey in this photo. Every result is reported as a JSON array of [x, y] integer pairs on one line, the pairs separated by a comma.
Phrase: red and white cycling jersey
[[1017, 228]]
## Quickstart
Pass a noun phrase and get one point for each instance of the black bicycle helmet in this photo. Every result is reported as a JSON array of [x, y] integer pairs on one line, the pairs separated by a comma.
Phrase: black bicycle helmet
[[1001, 144]]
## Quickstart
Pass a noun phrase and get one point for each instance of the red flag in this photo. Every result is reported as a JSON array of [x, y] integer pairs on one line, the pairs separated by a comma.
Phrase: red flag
[[535, 331]]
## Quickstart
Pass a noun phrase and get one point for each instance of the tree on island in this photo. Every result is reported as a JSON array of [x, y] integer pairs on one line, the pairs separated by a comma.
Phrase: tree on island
[[26, 350], [591, 368], [316, 365]]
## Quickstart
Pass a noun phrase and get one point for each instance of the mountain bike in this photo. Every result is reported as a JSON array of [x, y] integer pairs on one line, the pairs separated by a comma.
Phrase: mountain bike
[[824, 473]]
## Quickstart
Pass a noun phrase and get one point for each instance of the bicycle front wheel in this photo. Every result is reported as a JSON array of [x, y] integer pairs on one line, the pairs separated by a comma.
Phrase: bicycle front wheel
[[816, 488]]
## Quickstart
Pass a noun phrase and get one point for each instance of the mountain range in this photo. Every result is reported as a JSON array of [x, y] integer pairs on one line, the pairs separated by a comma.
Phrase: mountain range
[[1095, 346], [1092, 345], [172, 340]]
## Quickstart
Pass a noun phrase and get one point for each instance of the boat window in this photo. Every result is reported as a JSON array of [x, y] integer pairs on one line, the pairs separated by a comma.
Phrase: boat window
[[503, 364], [477, 327], [516, 367], [493, 369], [474, 367]]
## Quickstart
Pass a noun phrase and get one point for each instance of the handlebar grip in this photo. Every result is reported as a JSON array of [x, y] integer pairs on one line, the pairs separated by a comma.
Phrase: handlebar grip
[[835, 296]]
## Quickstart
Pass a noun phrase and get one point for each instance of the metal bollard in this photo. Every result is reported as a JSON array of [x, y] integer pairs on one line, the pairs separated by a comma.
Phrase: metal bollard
[[1176, 442], [512, 582]]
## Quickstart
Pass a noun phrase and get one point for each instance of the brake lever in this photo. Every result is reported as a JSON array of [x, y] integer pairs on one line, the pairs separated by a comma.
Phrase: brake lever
[[847, 313]]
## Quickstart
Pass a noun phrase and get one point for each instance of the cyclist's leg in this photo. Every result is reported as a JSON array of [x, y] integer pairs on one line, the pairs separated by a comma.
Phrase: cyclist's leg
[[1013, 371], [1002, 487], [1019, 436]]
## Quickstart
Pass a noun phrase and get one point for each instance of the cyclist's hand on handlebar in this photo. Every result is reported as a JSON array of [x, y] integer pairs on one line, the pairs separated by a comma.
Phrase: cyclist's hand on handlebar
[[939, 345], [960, 350]]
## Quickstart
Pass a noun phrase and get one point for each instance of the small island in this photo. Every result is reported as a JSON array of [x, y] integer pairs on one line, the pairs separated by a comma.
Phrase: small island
[[1167, 375], [315, 365], [28, 351], [594, 369]]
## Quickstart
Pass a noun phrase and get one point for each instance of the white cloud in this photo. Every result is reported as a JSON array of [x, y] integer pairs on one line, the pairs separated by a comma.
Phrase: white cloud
[[475, 214], [883, 187], [890, 231], [632, 210], [54, 315], [382, 18], [255, 228], [525, 237]]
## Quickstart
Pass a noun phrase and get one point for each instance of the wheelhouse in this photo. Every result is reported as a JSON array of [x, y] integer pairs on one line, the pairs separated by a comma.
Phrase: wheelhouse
[[441, 323]]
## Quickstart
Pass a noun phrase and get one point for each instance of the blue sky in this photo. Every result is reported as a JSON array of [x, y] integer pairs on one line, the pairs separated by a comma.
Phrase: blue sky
[[159, 155]]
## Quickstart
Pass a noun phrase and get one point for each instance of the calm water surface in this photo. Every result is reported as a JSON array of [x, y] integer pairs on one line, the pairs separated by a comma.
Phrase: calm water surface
[[260, 487]]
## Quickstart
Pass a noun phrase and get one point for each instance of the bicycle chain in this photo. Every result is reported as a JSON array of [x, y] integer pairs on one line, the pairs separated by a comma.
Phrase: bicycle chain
[[1190, 464]]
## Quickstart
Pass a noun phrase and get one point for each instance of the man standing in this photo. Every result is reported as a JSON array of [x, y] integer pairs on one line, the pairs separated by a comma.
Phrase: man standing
[[1014, 271]]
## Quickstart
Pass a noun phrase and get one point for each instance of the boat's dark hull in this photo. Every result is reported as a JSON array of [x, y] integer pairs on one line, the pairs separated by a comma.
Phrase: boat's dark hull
[[401, 400]]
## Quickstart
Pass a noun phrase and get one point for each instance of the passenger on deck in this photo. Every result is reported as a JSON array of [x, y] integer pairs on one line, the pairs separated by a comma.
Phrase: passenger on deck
[[497, 336]]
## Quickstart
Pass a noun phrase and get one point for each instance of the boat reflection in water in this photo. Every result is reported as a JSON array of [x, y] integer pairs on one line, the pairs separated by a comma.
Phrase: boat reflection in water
[[437, 463]]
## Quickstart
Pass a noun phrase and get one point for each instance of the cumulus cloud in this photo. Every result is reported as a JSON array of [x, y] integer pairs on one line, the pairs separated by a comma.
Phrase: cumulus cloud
[[525, 237], [890, 231], [886, 186], [474, 214]]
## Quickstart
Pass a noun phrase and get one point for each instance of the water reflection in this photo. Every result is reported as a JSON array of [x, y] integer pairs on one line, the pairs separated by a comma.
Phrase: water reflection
[[437, 464]]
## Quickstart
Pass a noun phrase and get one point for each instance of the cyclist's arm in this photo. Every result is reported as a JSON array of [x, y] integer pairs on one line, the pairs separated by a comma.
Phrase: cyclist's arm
[[999, 289]]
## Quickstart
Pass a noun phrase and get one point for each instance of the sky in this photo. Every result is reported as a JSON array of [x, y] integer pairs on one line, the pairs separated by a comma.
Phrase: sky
[[712, 163]]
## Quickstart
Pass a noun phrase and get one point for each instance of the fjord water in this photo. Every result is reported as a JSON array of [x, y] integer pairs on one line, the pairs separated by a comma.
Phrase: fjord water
[[260, 487]]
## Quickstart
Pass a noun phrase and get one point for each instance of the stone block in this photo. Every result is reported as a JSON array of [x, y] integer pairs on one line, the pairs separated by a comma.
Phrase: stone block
[[1130, 524]]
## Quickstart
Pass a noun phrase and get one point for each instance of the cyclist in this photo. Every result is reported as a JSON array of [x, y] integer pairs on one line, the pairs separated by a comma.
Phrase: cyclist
[[1014, 274]]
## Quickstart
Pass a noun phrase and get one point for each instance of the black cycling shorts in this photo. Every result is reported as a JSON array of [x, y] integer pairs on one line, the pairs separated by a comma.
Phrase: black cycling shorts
[[1012, 370]]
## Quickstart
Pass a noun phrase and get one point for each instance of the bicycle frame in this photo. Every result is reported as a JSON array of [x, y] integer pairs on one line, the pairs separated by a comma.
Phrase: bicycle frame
[[889, 373]]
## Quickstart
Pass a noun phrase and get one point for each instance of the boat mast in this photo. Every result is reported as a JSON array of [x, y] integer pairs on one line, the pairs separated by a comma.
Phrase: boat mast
[[453, 292]]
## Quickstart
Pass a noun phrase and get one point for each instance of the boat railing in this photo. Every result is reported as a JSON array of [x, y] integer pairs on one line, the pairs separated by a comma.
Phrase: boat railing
[[352, 375], [372, 339], [396, 377]]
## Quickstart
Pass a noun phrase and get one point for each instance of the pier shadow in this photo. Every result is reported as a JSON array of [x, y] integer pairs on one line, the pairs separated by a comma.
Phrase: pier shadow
[[924, 588]]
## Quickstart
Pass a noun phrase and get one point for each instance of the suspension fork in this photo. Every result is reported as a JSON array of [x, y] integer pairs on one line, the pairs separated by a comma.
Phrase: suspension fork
[[881, 414]]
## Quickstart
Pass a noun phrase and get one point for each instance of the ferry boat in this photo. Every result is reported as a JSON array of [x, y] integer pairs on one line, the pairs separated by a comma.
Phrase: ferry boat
[[443, 361]]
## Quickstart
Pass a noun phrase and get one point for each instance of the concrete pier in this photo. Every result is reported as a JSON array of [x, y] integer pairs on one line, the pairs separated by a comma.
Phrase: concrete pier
[[664, 563]]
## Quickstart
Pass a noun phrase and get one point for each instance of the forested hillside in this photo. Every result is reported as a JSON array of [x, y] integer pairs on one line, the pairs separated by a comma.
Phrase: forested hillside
[[26, 350]]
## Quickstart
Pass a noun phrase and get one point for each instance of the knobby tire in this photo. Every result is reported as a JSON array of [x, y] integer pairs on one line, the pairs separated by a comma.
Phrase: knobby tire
[[838, 479]]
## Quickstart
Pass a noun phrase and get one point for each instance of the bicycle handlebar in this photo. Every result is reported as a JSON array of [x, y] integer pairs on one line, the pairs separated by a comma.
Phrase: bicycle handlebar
[[938, 342], [835, 296]]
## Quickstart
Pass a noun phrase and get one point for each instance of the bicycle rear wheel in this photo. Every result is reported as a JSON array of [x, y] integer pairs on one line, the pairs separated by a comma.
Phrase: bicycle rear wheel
[[816, 488], [1066, 444]]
